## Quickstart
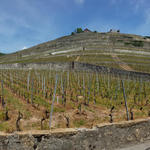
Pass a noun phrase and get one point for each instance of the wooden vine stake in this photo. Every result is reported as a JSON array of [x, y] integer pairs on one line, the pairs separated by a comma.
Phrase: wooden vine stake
[[2, 101], [89, 86], [32, 92], [44, 87], [62, 88], [28, 81], [125, 99], [97, 82], [51, 112]]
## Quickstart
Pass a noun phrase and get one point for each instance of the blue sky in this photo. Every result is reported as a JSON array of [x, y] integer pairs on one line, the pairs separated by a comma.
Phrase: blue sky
[[25, 23]]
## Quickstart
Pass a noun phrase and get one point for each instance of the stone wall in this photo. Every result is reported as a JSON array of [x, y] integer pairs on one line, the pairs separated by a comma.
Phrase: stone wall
[[118, 72], [77, 67], [50, 66], [101, 137]]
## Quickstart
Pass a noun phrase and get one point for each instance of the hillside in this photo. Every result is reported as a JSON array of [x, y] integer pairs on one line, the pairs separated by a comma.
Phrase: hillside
[[35, 97], [125, 51], [1, 54]]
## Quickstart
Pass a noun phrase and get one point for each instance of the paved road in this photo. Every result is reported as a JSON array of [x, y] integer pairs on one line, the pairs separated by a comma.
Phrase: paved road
[[143, 146]]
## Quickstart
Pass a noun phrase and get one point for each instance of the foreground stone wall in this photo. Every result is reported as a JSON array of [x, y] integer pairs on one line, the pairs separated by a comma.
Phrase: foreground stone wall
[[101, 137]]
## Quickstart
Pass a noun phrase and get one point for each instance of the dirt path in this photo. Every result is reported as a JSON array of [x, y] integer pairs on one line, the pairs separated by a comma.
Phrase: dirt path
[[77, 59], [122, 64]]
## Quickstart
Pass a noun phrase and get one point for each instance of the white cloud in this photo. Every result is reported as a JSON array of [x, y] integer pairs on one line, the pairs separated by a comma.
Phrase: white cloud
[[24, 48], [80, 1], [137, 4], [142, 7], [144, 27]]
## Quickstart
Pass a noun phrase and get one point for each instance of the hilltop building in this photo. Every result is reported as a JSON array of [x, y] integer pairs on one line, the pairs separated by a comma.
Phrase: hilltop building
[[87, 30]]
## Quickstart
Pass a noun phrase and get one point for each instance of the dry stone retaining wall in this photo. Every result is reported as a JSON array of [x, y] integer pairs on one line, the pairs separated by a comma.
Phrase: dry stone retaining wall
[[78, 67], [103, 137]]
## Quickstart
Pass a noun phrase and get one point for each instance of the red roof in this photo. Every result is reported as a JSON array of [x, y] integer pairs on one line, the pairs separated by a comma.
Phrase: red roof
[[87, 30]]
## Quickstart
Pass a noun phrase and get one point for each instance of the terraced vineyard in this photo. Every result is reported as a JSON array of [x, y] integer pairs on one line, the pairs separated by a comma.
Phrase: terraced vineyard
[[133, 51], [44, 99]]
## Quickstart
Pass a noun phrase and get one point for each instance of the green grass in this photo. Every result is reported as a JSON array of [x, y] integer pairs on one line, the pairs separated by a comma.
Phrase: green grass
[[2, 115], [16, 104], [79, 123], [41, 101], [59, 110], [13, 101], [4, 126]]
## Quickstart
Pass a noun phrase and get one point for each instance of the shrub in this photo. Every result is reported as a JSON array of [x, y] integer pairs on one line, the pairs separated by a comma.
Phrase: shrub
[[135, 43], [147, 37], [138, 43]]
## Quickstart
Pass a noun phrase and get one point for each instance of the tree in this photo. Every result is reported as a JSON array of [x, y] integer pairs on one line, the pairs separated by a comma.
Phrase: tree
[[1, 54], [72, 33], [79, 30]]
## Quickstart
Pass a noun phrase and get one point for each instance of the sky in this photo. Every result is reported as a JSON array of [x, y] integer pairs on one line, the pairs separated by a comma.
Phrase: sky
[[25, 23]]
